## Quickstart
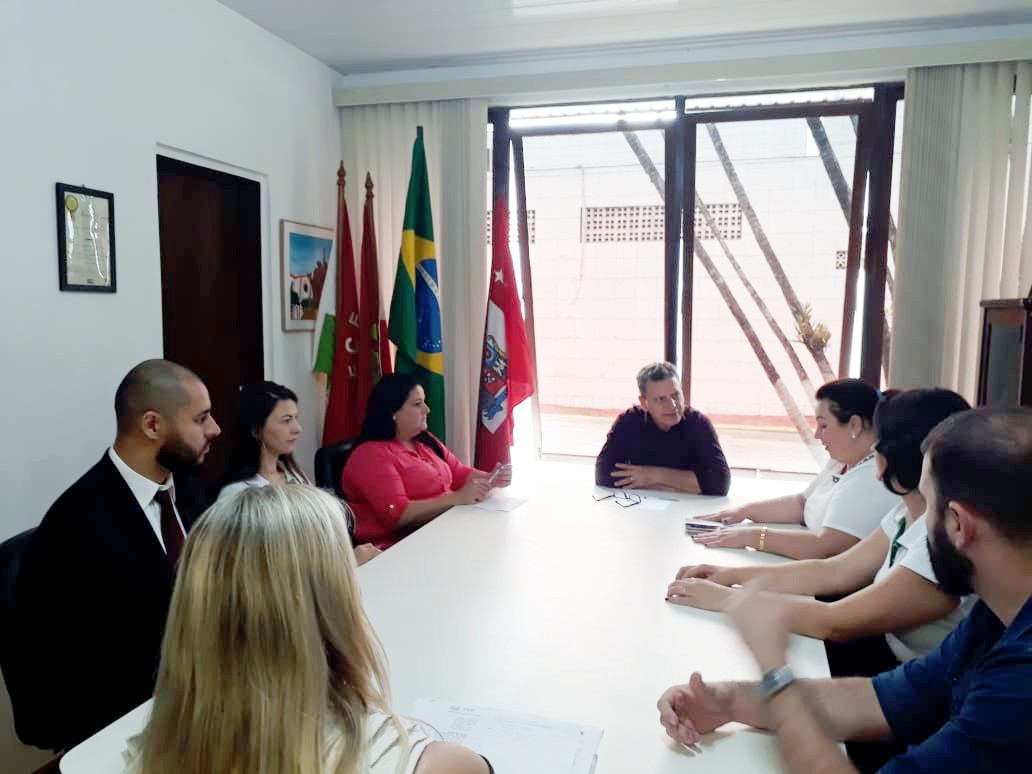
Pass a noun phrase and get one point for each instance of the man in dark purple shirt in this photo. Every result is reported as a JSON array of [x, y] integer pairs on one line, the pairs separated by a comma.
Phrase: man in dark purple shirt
[[661, 444]]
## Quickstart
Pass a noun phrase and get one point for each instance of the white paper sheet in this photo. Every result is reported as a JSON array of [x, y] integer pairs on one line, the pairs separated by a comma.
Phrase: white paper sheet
[[500, 503], [512, 741]]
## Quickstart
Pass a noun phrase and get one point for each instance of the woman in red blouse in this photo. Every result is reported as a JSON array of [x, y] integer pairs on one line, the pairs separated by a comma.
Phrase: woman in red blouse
[[400, 476]]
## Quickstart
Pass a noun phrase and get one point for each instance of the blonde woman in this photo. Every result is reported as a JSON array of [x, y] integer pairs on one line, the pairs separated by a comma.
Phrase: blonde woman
[[269, 664]]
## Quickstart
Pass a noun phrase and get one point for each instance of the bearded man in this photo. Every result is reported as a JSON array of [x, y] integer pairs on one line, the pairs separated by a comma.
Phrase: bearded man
[[95, 586]]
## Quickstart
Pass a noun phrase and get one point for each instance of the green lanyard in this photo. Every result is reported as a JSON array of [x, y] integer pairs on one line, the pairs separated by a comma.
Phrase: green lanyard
[[895, 541]]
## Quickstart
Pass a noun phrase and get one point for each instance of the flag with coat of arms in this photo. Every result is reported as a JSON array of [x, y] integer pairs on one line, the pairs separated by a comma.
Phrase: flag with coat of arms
[[507, 372]]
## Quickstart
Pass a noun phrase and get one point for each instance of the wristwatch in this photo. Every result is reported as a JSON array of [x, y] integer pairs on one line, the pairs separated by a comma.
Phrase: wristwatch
[[775, 681]]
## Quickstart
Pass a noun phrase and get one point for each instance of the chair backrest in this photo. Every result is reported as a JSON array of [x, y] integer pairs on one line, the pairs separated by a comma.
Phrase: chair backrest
[[14, 658], [329, 464]]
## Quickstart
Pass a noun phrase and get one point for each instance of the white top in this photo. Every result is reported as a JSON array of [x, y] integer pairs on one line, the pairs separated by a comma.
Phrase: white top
[[255, 481], [912, 553], [116, 747], [385, 750], [145, 490], [852, 502]]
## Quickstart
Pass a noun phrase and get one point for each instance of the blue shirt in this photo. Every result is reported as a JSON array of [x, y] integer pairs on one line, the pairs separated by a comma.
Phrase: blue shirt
[[966, 706]]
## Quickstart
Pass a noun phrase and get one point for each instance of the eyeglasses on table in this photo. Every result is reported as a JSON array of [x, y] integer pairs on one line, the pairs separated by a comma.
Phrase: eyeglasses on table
[[622, 498]]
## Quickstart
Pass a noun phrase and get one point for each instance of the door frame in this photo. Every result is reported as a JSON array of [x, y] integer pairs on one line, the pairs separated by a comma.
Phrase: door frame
[[269, 268]]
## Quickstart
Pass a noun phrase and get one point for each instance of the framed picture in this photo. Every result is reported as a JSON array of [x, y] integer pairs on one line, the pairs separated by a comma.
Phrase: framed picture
[[307, 252], [85, 239]]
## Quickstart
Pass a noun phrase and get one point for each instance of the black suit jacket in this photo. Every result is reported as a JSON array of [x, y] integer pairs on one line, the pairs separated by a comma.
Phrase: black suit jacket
[[93, 596]]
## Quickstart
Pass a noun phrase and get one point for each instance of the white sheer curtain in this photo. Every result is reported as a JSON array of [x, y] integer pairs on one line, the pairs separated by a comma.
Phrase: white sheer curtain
[[965, 216], [378, 139]]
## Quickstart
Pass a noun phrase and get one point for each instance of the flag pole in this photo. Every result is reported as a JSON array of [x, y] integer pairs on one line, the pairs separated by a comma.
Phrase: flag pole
[[523, 230]]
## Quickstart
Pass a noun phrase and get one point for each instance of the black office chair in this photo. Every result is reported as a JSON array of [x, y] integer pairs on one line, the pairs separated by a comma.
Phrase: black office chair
[[15, 660], [329, 463]]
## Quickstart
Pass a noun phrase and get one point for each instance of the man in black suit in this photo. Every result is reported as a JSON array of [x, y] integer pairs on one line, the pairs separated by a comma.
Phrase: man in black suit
[[97, 580]]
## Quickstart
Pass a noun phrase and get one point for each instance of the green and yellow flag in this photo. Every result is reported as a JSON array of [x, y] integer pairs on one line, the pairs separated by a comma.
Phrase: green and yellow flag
[[415, 321]]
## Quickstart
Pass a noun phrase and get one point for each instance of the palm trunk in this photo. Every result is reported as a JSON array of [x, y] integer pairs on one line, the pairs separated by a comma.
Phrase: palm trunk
[[804, 430], [815, 349], [791, 409]]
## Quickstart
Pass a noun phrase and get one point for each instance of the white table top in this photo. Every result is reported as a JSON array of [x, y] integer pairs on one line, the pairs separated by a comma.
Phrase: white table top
[[556, 609]]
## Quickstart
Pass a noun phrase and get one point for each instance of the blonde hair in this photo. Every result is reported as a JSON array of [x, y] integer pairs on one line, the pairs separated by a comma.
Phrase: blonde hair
[[269, 664]]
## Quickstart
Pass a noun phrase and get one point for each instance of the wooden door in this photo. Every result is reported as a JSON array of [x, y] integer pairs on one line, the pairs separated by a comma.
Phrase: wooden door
[[211, 287]]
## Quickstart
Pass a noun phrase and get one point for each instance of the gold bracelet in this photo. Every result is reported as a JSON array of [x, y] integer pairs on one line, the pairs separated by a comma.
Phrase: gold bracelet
[[763, 539]]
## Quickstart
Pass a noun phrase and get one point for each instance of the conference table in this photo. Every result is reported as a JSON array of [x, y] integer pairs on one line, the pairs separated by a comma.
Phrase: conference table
[[556, 608]]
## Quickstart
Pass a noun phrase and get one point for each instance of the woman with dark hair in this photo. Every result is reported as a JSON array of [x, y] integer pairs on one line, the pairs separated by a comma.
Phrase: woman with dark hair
[[264, 437], [400, 476], [843, 504], [888, 577], [263, 440]]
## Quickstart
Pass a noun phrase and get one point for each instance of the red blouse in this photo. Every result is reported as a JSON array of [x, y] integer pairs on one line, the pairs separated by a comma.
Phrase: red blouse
[[382, 477]]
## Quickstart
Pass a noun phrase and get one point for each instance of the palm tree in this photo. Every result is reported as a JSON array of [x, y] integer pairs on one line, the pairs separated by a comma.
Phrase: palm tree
[[791, 409], [814, 344]]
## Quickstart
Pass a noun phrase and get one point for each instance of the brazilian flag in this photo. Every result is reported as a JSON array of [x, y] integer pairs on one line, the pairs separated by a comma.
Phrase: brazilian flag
[[415, 320]]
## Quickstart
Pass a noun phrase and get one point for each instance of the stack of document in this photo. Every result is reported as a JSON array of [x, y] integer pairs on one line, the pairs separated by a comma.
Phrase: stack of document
[[512, 741]]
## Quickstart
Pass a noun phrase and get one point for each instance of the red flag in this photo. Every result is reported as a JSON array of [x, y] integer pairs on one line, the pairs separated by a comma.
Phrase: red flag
[[374, 359], [506, 374], [343, 417]]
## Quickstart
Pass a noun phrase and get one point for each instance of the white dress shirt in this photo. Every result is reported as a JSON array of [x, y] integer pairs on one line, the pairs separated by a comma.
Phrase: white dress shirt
[[145, 490]]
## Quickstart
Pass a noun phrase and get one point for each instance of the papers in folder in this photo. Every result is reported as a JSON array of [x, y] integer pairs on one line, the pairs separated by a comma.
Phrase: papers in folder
[[513, 741]]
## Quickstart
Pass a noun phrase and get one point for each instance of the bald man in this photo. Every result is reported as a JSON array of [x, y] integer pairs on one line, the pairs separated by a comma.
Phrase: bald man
[[98, 574]]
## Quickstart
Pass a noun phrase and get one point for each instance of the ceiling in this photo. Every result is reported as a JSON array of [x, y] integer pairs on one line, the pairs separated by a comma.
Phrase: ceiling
[[367, 36]]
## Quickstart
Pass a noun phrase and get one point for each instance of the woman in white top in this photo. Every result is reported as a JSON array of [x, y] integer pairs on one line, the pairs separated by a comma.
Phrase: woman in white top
[[841, 507], [894, 590], [264, 437], [263, 440], [269, 664]]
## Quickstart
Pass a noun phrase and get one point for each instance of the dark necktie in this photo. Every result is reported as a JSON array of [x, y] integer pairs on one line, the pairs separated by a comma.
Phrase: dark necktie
[[171, 532]]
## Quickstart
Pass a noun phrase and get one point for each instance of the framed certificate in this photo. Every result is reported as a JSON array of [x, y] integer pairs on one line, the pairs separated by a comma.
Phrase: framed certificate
[[85, 239]]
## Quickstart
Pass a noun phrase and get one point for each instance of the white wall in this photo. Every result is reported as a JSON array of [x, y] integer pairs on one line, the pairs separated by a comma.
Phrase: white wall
[[88, 93]]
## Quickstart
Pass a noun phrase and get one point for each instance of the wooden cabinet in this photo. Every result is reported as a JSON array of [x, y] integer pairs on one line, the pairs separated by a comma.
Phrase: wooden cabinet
[[1005, 363]]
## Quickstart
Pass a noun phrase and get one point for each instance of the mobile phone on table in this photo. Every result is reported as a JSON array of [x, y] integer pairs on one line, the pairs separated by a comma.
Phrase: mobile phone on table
[[696, 526]]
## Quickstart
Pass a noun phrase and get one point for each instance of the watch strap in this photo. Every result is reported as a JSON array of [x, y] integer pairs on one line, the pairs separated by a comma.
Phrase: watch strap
[[775, 681]]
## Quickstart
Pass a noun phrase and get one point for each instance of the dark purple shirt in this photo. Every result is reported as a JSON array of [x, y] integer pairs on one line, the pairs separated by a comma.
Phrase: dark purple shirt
[[691, 444]]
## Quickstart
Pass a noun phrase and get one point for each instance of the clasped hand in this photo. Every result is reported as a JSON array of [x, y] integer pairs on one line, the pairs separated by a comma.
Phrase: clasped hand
[[635, 476], [691, 710]]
